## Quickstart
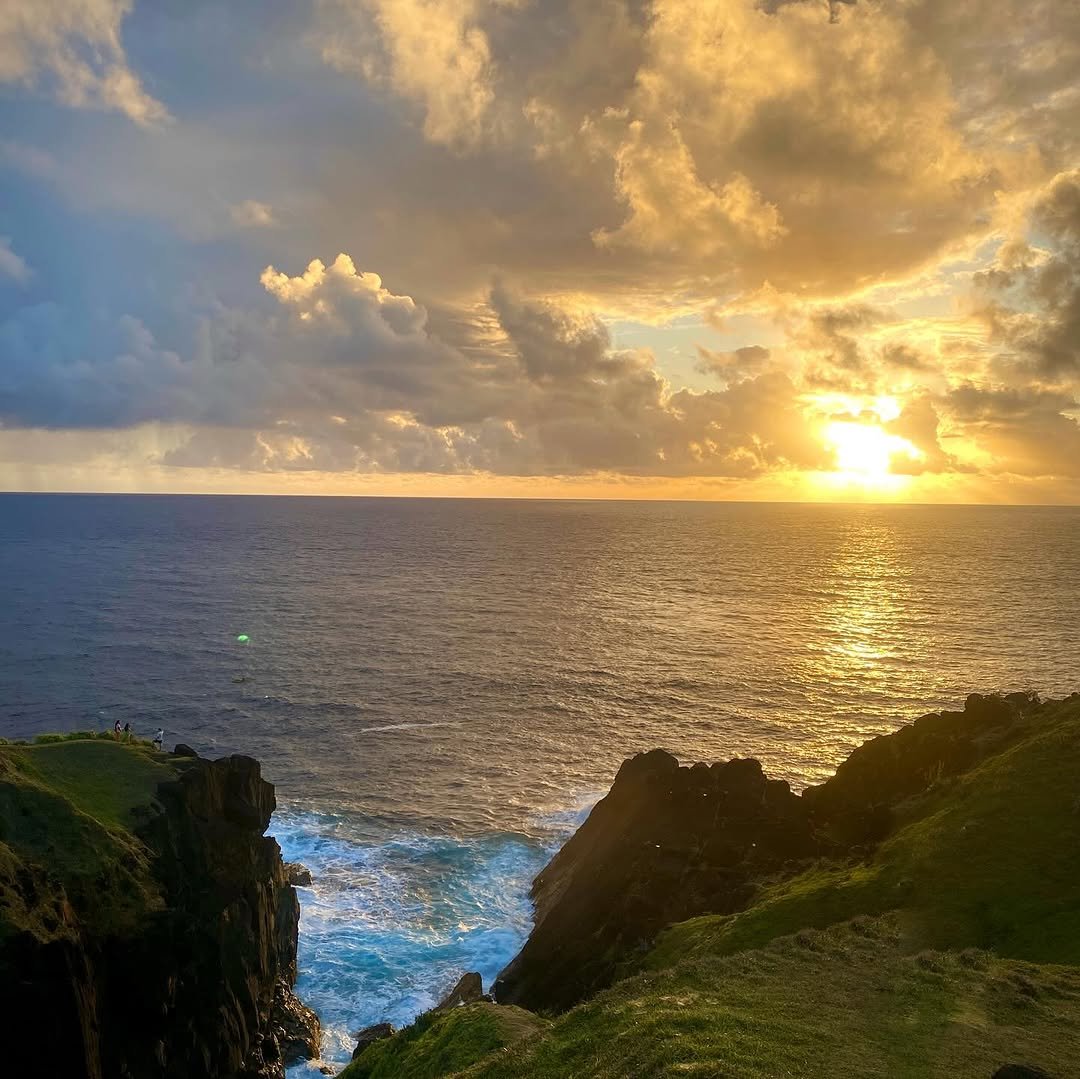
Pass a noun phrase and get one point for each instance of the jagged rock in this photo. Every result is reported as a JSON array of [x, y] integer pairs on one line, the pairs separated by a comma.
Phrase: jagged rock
[[469, 990], [1020, 1071], [182, 750], [296, 1026], [299, 876], [181, 978], [670, 842], [856, 805], [370, 1035], [665, 844], [1023, 701]]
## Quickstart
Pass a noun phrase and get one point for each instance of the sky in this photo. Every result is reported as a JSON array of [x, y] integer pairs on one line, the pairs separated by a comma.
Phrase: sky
[[753, 249]]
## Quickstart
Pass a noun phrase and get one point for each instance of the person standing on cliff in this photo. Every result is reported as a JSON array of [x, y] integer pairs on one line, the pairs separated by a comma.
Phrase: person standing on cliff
[[159, 738], [116, 730], [127, 732]]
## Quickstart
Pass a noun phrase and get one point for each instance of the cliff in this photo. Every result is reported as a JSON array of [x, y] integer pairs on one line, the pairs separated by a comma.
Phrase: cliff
[[669, 842], [665, 844], [933, 931], [146, 926]]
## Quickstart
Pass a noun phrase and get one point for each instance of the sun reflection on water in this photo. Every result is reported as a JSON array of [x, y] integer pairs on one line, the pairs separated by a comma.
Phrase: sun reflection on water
[[860, 641]]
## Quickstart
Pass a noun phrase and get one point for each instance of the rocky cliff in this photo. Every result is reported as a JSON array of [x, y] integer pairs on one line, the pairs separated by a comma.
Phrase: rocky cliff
[[669, 842], [147, 930]]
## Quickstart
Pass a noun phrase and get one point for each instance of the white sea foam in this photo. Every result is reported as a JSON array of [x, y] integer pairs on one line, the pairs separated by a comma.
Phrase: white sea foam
[[391, 922], [407, 727]]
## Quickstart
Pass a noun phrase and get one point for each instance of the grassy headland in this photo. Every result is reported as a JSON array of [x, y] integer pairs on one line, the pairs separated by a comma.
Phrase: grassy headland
[[949, 950], [68, 809], [987, 860], [146, 924]]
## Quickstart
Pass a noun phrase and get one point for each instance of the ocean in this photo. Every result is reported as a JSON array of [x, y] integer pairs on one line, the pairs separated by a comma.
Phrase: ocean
[[440, 689]]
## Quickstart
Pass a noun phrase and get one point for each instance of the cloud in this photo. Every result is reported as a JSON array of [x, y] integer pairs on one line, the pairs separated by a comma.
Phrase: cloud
[[673, 211], [340, 372], [724, 143], [251, 214], [1033, 308], [734, 364], [336, 372], [920, 423], [1023, 431], [832, 177], [11, 264], [73, 49], [432, 53]]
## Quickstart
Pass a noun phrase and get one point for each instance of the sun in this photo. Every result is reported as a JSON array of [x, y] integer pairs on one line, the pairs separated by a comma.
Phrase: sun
[[864, 449]]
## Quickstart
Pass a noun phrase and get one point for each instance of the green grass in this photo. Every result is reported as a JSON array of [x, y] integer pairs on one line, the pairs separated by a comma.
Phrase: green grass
[[104, 779], [987, 861], [442, 1043], [848, 1003], [953, 949], [69, 808]]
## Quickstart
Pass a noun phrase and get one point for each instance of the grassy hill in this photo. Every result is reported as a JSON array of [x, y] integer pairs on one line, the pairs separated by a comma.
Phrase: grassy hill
[[443, 1043], [146, 924], [67, 807], [988, 860], [951, 950]]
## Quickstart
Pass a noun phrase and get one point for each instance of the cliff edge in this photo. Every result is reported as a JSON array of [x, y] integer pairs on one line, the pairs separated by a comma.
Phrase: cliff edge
[[668, 843], [917, 915], [147, 930]]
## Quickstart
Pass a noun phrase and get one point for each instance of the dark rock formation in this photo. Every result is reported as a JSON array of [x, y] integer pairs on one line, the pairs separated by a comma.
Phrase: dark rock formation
[[665, 844], [182, 750], [197, 980], [294, 1025], [856, 805], [671, 842], [1020, 1071], [299, 876], [469, 989], [370, 1035]]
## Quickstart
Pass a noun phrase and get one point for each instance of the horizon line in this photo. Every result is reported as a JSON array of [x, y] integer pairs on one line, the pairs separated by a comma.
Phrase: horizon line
[[541, 498]]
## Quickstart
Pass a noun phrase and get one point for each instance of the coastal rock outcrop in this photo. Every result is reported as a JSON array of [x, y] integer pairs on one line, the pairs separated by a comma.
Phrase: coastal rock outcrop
[[668, 843], [299, 876], [469, 990], [160, 951], [370, 1035], [856, 804]]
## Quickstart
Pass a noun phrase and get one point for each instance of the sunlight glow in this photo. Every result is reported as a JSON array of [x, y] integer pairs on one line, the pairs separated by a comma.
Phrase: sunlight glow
[[866, 449]]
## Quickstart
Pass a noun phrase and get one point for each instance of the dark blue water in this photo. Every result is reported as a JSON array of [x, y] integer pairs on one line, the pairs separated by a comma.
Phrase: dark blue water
[[439, 687]]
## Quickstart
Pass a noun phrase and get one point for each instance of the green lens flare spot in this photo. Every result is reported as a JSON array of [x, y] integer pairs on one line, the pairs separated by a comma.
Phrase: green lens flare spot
[[243, 638]]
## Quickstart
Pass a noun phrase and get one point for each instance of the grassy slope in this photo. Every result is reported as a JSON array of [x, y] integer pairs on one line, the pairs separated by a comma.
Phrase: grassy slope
[[69, 807], [443, 1043], [846, 1002], [988, 861]]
